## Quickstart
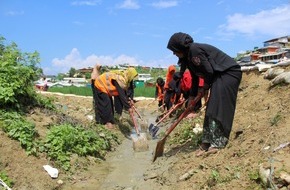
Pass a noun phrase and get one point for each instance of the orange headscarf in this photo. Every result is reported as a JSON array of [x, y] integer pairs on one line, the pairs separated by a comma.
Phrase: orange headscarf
[[169, 75]]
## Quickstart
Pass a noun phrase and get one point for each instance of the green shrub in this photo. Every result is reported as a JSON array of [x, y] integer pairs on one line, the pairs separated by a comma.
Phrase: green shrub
[[19, 129], [18, 71], [4, 177], [64, 140]]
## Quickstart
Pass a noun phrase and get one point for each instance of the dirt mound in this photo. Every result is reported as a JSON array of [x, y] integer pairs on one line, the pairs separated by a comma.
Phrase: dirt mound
[[261, 124]]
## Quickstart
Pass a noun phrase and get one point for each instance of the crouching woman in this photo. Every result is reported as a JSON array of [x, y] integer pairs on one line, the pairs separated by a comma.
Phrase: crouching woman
[[110, 85]]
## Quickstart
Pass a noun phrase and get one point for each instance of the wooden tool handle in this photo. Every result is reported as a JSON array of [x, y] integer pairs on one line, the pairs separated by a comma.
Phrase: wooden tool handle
[[184, 114]]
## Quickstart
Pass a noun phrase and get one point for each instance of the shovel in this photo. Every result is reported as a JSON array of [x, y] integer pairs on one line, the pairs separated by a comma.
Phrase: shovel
[[160, 144], [140, 142], [153, 129], [143, 123]]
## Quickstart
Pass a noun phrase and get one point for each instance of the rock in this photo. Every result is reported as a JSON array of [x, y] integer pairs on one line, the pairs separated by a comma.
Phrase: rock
[[282, 78], [186, 176], [60, 182], [264, 174], [150, 176], [285, 176], [140, 143], [273, 72]]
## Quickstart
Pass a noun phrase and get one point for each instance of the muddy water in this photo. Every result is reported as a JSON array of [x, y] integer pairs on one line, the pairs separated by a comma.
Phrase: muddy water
[[127, 167], [124, 169]]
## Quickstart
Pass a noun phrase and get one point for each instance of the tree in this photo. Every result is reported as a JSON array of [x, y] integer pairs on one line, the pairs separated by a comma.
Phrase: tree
[[18, 71], [72, 72]]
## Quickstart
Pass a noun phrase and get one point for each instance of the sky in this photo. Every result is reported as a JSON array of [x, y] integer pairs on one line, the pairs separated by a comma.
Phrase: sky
[[80, 33]]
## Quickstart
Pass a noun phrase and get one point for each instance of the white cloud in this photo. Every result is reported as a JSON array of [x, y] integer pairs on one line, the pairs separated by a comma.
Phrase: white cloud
[[164, 4], [87, 3], [14, 13], [129, 4], [270, 22], [75, 60]]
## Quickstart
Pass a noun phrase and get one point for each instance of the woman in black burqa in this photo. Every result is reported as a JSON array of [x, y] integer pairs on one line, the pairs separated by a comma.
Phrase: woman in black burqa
[[222, 76]]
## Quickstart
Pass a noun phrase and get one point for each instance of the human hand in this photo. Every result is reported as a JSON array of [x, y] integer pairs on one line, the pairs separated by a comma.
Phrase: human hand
[[201, 91], [130, 110], [181, 100], [190, 100]]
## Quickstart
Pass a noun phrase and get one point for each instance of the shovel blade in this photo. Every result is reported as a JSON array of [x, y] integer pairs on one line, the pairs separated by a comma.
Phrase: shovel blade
[[154, 131], [151, 126], [159, 149]]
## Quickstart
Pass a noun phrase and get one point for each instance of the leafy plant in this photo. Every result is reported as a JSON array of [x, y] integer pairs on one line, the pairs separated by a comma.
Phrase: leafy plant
[[217, 177], [185, 133], [4, 177], [18, 71], [276, 119], [254, 175], [214, 178], [19, 129], [64, 140]]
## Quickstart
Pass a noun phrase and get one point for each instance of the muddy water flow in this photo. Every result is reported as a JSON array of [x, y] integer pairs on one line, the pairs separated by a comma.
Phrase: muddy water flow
[[127, 167], [124, 169]]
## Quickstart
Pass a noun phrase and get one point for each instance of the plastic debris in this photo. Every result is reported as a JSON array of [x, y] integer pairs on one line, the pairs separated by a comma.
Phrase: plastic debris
[[281, 146], [4, 185], [53, 172]]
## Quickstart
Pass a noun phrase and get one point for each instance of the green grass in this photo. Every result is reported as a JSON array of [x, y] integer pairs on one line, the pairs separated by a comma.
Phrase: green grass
[[81, 91], [87, 91], [144, 91]]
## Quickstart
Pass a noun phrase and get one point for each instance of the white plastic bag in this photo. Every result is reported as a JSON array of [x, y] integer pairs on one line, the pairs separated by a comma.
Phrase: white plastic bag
[[53, 172]]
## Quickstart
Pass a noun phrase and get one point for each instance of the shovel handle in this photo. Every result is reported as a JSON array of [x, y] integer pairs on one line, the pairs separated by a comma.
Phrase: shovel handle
[[134, 122], [135, 109], [170, 111], [184, 114]]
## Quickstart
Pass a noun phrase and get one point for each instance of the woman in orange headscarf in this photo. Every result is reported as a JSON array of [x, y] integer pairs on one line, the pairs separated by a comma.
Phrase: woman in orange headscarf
[[168, 90]]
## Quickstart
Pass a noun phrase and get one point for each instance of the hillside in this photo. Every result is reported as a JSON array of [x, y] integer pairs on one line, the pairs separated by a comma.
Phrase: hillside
[[261, 124]]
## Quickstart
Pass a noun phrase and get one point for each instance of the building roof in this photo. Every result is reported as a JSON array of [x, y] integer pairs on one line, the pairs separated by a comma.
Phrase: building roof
[[276, 39]]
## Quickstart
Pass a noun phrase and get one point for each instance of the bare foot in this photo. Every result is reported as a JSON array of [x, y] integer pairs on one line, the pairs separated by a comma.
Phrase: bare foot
[[110, 126], [212, 150], [202, 149], [200, 152]]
